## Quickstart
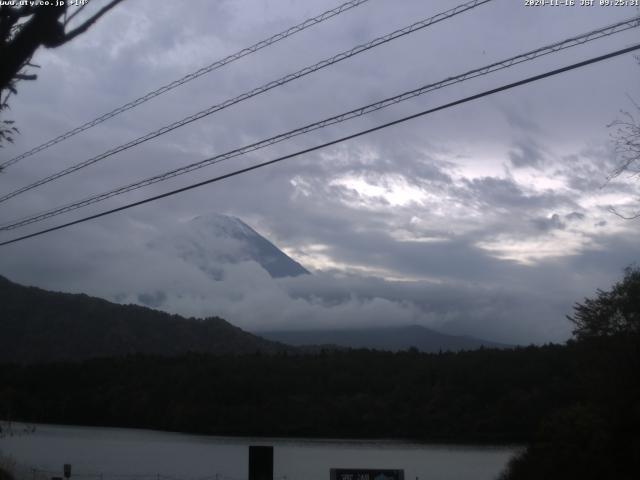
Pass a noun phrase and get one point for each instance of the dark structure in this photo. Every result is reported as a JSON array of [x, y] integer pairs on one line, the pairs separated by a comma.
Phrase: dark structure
[[260, 463]]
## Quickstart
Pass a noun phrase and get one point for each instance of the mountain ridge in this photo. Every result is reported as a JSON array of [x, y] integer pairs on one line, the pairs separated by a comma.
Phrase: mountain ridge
[[38, 325], [389, 338]]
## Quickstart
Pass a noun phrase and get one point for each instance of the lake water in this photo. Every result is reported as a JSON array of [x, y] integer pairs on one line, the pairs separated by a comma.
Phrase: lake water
[[134, 454]]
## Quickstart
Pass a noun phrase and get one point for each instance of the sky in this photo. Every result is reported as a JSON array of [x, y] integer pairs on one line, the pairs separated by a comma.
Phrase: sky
[[490, 219]]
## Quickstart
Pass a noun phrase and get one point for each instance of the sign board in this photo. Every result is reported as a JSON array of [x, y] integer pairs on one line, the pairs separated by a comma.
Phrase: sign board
[[366, 474]]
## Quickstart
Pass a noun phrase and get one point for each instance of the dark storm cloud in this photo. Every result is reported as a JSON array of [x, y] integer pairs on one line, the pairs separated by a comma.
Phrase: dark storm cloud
[[586, 172], [506, 193], [519, 118], [575, 216], [526, 154], [551, 223]]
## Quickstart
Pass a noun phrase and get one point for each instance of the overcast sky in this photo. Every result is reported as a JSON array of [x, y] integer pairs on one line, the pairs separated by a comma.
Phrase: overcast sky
[[489, 219]]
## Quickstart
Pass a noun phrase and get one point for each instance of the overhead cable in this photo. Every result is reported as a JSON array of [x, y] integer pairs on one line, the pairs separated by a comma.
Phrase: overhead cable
[[310, 22], [509, 62], [252, 93], [534, 78]]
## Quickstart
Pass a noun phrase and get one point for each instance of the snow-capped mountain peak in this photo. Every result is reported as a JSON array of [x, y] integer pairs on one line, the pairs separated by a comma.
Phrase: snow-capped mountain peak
[[213, 240]]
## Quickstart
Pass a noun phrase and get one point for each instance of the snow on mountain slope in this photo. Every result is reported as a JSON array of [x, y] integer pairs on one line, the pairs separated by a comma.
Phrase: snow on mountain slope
[[213, 240]]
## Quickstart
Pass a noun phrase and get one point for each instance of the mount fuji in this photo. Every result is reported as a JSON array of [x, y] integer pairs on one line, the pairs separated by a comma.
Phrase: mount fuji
[[213, 240]]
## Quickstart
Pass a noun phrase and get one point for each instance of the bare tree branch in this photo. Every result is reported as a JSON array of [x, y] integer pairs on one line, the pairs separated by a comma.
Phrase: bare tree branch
[[90, 21], [626, 138], [78, 10], [24, 29], [24, 76], [626, 217]]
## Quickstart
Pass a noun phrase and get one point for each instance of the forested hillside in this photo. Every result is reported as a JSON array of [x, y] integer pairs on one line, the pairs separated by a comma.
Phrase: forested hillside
[[38, 326]]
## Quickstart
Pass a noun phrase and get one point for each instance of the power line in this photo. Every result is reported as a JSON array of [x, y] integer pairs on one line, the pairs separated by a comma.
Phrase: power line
[[310, 22], [524, 57], [256, 91], [502, 88]]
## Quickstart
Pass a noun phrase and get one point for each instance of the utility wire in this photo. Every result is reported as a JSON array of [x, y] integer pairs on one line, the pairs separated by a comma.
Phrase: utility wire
[[502, 88], [524, 57], [310, 22], [256, 91]]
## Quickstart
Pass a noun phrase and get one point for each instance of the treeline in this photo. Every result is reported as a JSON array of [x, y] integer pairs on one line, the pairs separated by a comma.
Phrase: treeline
[[577, 405], [475, 396]]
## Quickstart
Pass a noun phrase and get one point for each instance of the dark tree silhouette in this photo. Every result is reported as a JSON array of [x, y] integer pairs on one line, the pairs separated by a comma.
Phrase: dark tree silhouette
[[611, 312], [596, 437], [24, 29]]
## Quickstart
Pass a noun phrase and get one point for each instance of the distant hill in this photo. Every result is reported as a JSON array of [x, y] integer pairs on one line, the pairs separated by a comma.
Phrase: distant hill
[[39, 326], [382, 338]]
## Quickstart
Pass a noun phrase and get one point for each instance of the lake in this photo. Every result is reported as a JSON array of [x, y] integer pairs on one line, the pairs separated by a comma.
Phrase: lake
[[121, 453]]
